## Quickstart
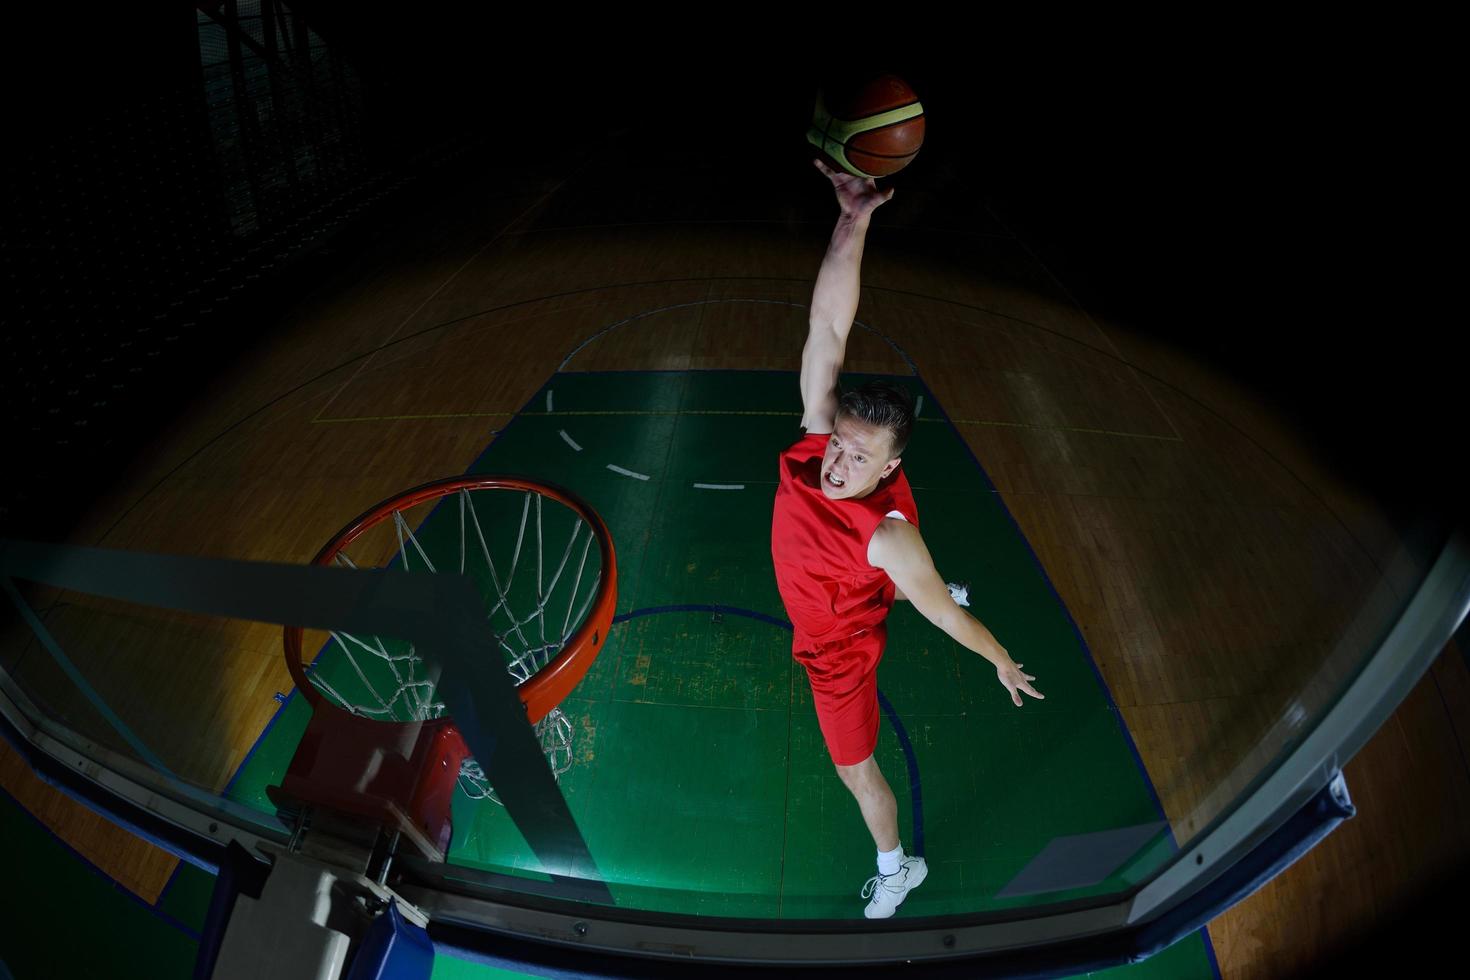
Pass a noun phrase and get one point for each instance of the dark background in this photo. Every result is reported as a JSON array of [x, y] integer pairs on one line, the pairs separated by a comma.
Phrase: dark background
[[1240, 193]]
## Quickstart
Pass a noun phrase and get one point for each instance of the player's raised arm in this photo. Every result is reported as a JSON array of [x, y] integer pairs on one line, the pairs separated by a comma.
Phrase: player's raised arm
[[835, 298], [898, 549]]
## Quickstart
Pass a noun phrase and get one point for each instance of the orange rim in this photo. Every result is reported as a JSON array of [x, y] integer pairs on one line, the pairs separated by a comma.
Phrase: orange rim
[[545, 689]]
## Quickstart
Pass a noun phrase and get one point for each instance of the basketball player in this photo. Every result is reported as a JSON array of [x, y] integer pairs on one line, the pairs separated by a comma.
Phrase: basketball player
[[845, 543]]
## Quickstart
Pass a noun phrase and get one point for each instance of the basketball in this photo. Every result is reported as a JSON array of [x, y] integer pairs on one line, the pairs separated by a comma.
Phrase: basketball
[[870, 130]]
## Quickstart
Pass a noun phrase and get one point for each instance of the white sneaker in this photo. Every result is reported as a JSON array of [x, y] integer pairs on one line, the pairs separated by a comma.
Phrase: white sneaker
[[889, 891]]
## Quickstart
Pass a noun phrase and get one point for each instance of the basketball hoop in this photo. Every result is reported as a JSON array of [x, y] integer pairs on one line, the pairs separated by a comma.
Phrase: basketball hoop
[[374, 704]]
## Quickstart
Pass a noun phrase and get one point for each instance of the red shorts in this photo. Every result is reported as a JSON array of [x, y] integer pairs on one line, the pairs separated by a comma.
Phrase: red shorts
[[844, 678]]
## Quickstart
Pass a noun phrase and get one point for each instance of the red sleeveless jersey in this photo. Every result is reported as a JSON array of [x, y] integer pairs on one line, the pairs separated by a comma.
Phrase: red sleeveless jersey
[[819, 547]]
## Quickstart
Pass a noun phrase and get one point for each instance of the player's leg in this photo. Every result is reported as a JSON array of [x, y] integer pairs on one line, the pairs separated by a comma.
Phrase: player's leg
[[847, 710], [875, 798], [898, 873]]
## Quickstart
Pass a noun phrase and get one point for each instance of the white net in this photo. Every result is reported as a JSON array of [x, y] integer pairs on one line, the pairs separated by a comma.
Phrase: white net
[[533, 616]]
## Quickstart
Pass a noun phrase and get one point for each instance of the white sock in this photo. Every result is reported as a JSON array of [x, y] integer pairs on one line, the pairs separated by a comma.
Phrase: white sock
[[888, 861]]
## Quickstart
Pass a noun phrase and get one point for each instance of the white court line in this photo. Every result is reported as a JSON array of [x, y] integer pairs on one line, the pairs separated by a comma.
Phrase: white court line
[[619, 469], [406, 320], [548, 402], [569, 441], [918, 406], [720, 486]]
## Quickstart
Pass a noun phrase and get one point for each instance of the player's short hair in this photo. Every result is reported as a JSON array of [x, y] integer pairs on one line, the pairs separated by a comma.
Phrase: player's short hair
[[884, 405]]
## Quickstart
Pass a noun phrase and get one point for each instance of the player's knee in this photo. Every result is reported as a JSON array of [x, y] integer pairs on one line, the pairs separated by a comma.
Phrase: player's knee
[[855, 775]]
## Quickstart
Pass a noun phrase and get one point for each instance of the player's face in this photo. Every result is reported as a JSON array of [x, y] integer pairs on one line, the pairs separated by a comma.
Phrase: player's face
[[856, 459]]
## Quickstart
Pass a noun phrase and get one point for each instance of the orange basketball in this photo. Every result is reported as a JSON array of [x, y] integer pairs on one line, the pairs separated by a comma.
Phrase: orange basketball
[[873, 130]]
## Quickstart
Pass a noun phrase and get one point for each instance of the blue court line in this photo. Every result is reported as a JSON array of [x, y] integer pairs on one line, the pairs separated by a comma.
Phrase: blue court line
[[26, 752], [285, 702], [1102, 683], [87, 863], [916, 790], [158, 903]]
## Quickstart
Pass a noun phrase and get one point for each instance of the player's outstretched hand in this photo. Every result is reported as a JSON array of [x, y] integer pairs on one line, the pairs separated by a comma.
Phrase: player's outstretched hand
[[1016, 681], [858, 196]]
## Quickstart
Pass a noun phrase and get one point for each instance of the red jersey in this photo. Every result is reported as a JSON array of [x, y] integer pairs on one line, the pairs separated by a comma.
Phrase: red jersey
[[819, 547]]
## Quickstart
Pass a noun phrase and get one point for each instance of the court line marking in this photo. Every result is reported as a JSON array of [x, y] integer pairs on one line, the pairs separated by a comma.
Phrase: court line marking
[[903, 354], [993, 422], [720, 486], [153, 908], [659, 411], [918, 405], [1018, 425], [1072, 298], [568, 440], [44, 637], [441, 287], [805, 282], [405, 418], [619, 469], [706, 280], [710, 412], [1062, 428], [548, 400]]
